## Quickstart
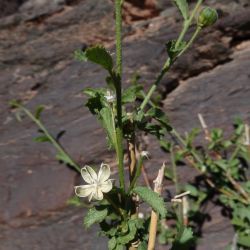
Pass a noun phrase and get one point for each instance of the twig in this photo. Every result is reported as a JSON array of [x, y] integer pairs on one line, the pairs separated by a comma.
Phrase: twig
[[185, 209], [204, 127], [154, 217], [238, 187]]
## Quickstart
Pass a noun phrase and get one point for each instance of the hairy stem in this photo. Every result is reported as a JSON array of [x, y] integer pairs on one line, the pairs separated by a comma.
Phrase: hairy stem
[[118, 83]]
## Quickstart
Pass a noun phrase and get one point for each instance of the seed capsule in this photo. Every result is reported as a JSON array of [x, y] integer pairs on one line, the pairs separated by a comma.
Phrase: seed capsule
[[207, 17]]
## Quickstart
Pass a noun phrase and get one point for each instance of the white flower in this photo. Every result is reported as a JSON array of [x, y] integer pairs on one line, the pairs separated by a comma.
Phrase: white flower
[[97, 184], [110, 96], [145, 154]]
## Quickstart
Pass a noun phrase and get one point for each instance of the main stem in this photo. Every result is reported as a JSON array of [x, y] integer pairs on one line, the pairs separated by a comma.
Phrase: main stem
[[118, 34]]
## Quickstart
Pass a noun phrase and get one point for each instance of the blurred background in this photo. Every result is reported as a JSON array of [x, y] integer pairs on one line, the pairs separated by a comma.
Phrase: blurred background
[[37, 41]]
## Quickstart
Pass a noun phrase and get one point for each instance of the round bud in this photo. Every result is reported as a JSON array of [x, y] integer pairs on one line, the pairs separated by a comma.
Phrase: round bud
[[207, 17]]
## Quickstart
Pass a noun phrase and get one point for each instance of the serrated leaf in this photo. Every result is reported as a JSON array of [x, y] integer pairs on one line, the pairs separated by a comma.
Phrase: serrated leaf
[[95, 216], [130, 94], [125, 239], [42, 138], [153, 199], [101, 56], [183, 7], [38, 111]]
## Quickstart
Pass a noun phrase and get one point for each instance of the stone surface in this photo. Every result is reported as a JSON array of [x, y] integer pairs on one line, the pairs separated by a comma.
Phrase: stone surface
[[221, 94], [37, 67]]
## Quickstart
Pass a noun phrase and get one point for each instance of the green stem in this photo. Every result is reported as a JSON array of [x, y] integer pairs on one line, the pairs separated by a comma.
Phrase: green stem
[[197, 31], [168, 62], [174, 168], [51, 138], [187, 23], [165, 68], [118, 35], [118, 82]]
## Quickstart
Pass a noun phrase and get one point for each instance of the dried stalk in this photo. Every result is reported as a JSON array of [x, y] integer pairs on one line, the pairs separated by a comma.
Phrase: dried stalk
[[204, 127], [154, 217]]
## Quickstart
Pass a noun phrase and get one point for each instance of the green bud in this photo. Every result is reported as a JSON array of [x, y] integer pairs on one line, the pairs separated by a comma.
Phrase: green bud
[[207, 17]]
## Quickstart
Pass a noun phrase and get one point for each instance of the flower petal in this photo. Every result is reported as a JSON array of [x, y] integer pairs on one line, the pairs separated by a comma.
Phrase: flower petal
[[84, 190], [91, 196], [104, 173], [88, 174], [106, 186], [98, 195]]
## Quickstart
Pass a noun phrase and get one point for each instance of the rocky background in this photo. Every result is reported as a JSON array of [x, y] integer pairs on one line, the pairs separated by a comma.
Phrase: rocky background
[[37, 40]]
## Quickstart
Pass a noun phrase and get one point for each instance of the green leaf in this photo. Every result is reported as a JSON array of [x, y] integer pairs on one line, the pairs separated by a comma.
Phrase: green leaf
[[169, 173], [222, 164], [14, 103], [153, 199], [80, 55], [101, 56], [130, 94], [183, 7], [165, 145], [63, 157], [95, 216], [119, 247], [154, 129], [112, 243], [75, 201], [107, 122], [192, 189], [125, 239], [159, 116], [143, 246], [172, 50], [94, 103], [244, 240], [183, 239], [38, 111], [42, 138]]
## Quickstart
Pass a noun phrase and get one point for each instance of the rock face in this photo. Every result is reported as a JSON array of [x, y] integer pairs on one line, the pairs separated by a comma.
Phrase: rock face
[[37, 67]]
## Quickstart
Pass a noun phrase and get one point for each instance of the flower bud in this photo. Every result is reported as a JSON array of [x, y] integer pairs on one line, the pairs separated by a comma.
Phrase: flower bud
[[207, 17], [110, 96]]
